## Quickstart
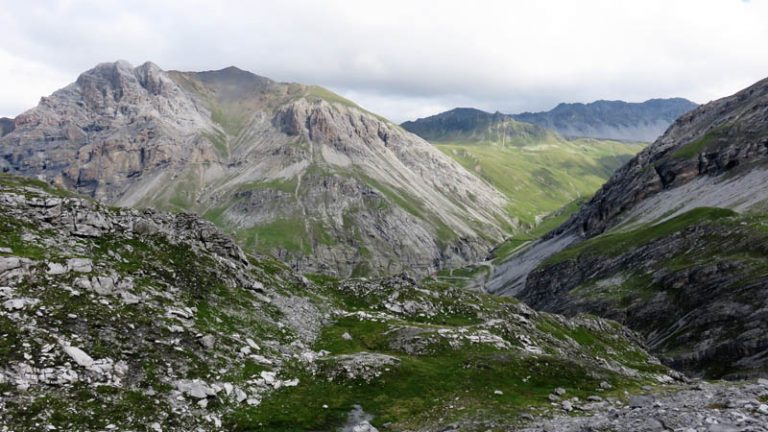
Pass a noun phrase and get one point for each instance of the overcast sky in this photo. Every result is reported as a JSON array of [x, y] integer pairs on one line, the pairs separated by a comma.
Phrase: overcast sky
[[403, 59]]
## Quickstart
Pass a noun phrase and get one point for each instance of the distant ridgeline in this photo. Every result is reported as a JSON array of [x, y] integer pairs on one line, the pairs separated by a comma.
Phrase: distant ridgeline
[[535, 167], [615, 120]]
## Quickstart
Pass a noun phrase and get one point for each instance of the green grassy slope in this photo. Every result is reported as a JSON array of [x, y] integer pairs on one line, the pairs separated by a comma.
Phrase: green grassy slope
[[441, 379], [542, 178]]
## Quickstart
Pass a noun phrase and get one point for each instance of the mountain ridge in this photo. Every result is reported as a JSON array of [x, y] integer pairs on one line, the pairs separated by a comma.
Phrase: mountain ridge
[[472, 124], [292, 170], [672, 245], [612, 119]]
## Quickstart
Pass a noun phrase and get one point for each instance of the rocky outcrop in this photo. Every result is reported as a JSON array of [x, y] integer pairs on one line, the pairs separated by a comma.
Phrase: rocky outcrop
[[697, 293], [134, 300], [616, 120], [699, 407], [363, 366], [290, 170]]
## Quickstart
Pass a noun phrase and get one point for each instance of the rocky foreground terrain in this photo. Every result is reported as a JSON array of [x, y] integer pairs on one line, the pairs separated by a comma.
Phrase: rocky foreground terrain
[[117, 319], [701, 407], [289, 169]]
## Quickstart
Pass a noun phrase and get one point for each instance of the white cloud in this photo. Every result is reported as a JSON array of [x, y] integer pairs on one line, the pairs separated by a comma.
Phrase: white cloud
[[24, 81], [406, 58]]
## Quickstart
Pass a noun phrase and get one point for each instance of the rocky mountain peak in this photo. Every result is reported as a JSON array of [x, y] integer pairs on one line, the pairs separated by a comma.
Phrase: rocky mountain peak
[[232, 83], [121, 79], [292, 170]]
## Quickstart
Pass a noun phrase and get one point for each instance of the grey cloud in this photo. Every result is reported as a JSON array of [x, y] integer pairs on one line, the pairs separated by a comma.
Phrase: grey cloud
[[400, 57]]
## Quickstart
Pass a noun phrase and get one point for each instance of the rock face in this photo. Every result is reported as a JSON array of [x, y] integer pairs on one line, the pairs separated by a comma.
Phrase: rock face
[[697, 292], [673, 245], [292, 170], [729, 135], [6, 126], [612, 119]]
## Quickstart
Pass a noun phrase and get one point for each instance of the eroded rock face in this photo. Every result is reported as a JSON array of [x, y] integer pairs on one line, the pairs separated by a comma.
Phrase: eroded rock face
[[705, 316], [6, 126], [727, 135], [691, 280], [312, 179], [101, 133]]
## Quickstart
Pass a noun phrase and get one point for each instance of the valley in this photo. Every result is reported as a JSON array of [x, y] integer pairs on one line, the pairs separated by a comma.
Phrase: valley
[[194, 251], [539, 171]]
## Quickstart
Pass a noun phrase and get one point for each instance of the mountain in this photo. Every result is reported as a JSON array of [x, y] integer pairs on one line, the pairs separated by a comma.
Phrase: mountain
[[6, 126], [289, 169], [125, 319], [674, 245], [473, 125], [615, 120], [538, 170]]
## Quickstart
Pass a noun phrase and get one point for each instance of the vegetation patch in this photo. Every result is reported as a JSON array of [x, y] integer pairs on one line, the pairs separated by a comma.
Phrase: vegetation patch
[[287, 234], [541, 177], [696, 147], [617, 242]]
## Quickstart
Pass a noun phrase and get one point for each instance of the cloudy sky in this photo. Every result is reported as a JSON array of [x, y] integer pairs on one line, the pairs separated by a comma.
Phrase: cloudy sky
[[403, 59]]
